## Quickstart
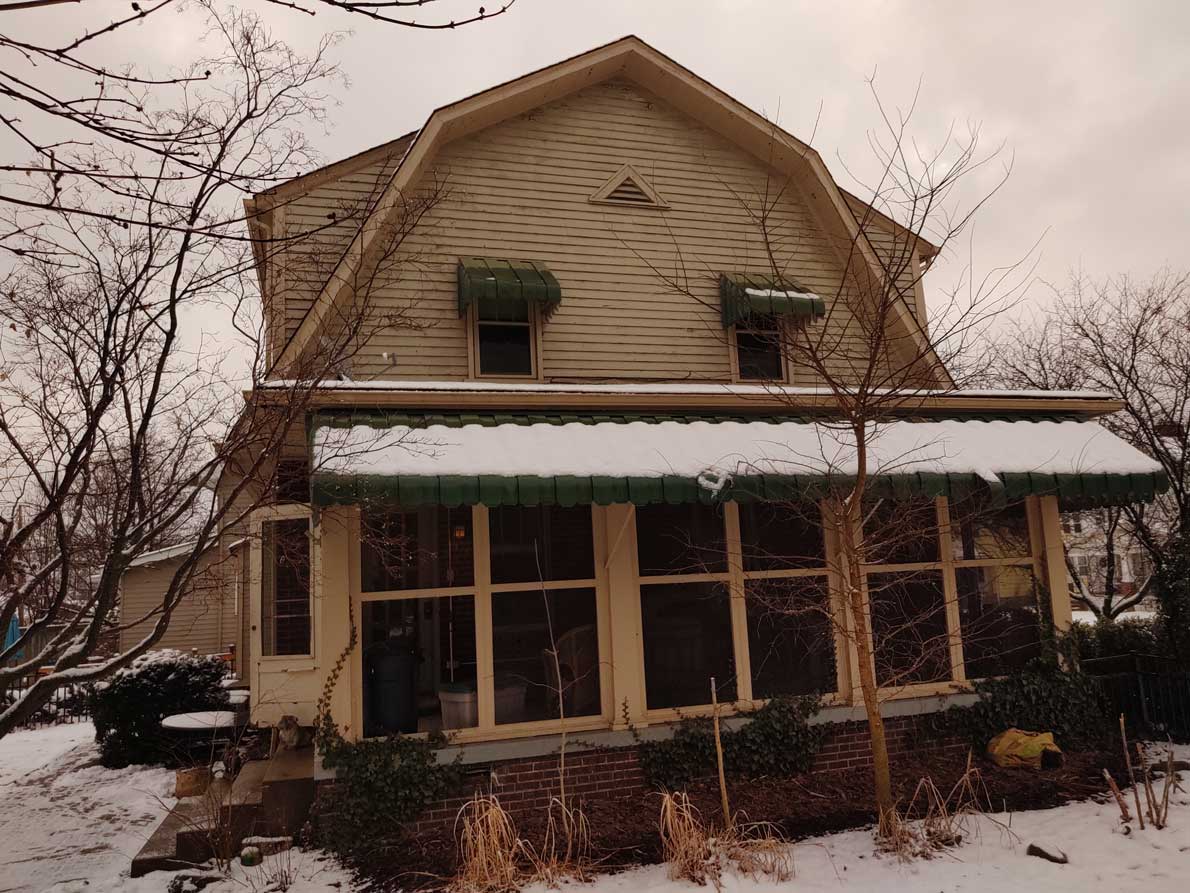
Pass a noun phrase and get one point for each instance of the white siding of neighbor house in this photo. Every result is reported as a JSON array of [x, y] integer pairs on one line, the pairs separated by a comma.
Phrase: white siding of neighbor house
[[205, 619], [521, 189]]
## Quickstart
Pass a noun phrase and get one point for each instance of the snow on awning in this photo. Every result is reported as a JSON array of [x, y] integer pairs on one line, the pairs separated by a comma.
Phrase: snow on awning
[[742, 295], [503, 289], [505, 460]]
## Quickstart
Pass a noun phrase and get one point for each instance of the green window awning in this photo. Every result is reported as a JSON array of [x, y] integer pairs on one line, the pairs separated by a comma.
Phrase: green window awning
[[573, 459], [742, 295], [502, 289]]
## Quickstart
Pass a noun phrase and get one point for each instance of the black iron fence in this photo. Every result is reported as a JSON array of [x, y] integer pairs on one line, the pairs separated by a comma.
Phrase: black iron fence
[[71, 703], [1151, 692]]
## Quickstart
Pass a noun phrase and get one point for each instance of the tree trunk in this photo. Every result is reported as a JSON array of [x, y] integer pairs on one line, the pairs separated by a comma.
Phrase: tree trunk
[[881, 771], [861, 636]]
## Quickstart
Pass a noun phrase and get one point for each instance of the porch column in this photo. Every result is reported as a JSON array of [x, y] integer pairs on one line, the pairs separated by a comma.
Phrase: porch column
[[627, 654], [332, 623], [1056, 577]]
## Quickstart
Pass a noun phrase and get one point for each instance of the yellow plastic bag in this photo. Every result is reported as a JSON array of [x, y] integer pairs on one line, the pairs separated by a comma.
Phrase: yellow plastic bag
[[1030, 750]]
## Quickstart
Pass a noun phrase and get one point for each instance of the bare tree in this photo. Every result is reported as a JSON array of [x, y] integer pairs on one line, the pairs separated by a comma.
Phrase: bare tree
[[70, 105], [1131, 339], [879, 360], [120, 415]]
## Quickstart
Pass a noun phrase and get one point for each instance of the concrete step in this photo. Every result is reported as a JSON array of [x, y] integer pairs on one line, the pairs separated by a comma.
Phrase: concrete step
[[160, 852], [288, 791], [183, 839]]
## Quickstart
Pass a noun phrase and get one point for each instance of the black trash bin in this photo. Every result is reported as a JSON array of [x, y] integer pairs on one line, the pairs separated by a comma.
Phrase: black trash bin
[[394, 689]]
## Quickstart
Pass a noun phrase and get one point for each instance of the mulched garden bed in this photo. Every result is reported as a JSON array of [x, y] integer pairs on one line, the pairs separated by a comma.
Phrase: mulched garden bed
[[624, 831]]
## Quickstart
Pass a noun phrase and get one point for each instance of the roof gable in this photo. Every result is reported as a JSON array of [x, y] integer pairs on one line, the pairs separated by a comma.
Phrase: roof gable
[[635, 60]]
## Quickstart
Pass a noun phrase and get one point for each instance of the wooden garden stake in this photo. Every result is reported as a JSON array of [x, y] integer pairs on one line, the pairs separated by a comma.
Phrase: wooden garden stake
[[1120, 801], [1150, 797], [1169, 777], [719, 756], [1131, 777]]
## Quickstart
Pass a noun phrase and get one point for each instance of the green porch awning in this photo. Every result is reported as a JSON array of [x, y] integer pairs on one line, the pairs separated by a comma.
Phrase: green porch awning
[[742, 295], [571, 459], [504, 288]]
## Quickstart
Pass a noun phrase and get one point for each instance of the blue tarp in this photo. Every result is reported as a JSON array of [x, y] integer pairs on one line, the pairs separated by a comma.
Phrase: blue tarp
[[14, 632]]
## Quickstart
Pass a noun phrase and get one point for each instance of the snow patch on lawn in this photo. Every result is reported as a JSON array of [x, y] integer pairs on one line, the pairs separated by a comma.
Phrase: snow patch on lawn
[[992, 860], [69, 825]]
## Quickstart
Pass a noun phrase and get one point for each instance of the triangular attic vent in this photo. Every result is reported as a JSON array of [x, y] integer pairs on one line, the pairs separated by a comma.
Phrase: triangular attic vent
[[627, 187]]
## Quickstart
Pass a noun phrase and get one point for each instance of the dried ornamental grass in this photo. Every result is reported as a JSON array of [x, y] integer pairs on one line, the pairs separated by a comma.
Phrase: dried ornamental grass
[[694, 852], [490, 850], [566, 850], [685, 842], [944, 819]]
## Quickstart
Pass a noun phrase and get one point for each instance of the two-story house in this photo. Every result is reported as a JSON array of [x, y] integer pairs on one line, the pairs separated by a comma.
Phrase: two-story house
[[546, 491]]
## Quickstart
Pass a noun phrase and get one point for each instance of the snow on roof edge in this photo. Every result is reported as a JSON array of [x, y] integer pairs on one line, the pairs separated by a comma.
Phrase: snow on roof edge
[[663, 388], [692, 449], [163, 554]]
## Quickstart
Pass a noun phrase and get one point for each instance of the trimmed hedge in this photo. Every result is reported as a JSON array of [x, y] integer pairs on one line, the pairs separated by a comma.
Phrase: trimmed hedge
[[128, 709], [1113, 638]]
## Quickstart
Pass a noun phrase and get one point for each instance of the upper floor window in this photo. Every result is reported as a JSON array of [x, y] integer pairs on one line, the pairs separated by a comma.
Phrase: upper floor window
[[759, 349], [506, 301], [504, 339], [761, 310]]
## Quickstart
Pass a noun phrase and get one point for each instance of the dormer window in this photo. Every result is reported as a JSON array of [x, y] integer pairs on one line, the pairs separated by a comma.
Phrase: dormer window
[[504, 341], [759, 310], [759, 349], [504, 302]]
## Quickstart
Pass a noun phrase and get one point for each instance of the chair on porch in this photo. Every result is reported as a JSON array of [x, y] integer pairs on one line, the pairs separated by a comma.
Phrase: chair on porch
[[578, 662]]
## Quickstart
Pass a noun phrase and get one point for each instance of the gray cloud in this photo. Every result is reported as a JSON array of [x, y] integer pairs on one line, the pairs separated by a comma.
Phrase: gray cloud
[[1090, 100]]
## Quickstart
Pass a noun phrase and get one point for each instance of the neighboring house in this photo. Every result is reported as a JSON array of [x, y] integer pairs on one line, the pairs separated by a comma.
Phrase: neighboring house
[[206, 619], [560, 427], [1091, 544]]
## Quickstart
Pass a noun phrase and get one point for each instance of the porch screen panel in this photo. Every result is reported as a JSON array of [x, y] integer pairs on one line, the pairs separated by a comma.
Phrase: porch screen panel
[[685, 604], [426, 548], [791, 646], [419, 665], [546, 543], [680, 539], [999, 599], [687, 642], [545, 631], [909, 628], [545, 646], [285, 588]]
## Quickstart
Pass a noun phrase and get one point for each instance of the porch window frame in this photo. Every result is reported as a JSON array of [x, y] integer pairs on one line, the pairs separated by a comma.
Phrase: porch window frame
[[947, 565], [619, 684], [256, 522], [487, 729]]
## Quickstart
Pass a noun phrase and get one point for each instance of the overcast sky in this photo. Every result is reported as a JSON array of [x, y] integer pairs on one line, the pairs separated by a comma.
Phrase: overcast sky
[[1091, 101]]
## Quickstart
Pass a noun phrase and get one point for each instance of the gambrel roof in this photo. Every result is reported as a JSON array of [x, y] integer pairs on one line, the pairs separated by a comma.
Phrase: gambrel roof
[[630, 58]]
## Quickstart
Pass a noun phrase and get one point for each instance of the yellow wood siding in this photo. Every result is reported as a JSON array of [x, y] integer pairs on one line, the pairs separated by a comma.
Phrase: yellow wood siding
[[301, 267], [521, 189]]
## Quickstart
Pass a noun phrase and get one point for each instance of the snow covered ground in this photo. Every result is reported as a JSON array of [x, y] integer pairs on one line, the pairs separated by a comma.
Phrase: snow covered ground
[[68, 825], [992, 860]]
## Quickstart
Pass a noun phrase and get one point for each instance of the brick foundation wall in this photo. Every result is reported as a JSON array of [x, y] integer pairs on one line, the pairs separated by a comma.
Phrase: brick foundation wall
[[846, 745], [527, 785]]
